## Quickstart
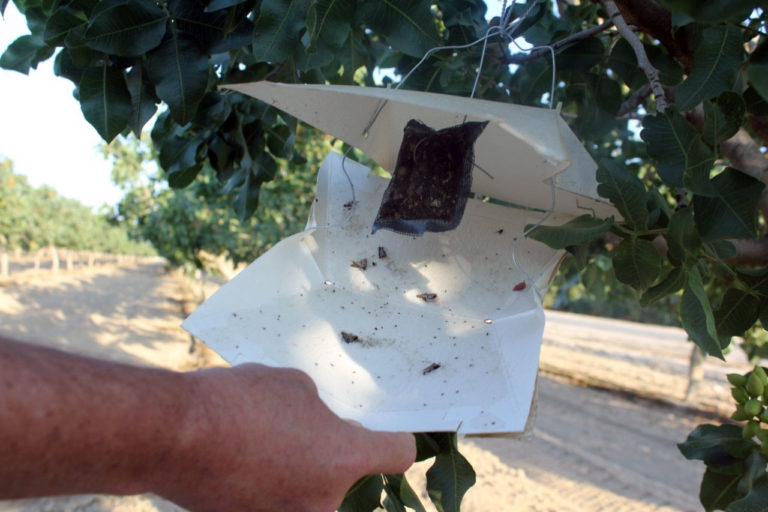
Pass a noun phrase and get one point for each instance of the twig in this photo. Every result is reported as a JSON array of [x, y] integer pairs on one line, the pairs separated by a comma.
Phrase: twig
[[277, 69], [634, 100], [519, 58], [642, 58]]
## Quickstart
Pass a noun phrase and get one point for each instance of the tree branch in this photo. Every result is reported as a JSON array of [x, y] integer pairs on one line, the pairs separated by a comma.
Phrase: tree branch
[[654, 19], [634, 100], [751, 253], [519, 58], [642, 58]]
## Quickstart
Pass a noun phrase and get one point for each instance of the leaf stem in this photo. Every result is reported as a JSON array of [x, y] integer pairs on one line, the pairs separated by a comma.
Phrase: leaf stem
[[630, 232]]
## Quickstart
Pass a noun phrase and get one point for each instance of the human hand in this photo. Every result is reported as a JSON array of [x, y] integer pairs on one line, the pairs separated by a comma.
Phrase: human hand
[[259, 438]]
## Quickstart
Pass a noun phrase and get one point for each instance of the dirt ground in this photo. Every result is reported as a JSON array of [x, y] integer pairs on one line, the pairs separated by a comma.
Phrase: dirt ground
[[611, 396]]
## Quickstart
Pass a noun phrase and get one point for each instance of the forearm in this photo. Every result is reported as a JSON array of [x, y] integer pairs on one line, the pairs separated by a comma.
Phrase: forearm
[[70, 424], [247, 438]]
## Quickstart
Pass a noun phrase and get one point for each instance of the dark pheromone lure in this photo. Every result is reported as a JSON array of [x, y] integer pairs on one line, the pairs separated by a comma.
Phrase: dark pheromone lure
[[432, 179]]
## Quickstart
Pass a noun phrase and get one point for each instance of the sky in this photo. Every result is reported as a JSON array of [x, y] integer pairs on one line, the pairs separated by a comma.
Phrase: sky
[[44, 133]]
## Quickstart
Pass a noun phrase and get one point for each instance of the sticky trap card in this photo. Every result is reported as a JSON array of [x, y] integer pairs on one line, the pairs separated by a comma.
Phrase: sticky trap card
[[399, 332], [438, 332]]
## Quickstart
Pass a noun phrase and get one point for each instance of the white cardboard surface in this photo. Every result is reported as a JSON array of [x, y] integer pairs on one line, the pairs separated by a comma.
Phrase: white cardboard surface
[[521, 148], [290, 306]]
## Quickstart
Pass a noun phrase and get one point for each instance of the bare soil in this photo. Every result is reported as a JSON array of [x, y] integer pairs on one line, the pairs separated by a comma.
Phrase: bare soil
[[611, 396]]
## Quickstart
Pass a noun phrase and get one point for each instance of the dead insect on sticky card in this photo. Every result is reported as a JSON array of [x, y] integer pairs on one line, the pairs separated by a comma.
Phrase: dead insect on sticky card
[[429, 369], [519, 286], [361, 264], [348, 337], [427, 297], [382, 252]]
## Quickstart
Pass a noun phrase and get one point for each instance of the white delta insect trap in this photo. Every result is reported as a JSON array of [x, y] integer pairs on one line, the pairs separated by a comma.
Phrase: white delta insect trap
[[404, 333]]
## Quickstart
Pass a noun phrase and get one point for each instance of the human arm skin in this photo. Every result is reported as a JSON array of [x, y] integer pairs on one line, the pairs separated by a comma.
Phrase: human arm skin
[[246, 438]]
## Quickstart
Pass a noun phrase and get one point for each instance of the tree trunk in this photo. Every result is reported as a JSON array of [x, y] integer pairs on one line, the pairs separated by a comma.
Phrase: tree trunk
[[4, 264], [54, 258], [695, 373]]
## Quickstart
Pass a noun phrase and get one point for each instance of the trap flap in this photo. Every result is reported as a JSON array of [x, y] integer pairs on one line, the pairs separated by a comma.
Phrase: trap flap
[[430, 333], [517, 154]]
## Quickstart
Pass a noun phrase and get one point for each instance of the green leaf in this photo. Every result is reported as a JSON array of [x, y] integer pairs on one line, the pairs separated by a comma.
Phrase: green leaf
[[364, 496], [398, 489], [672, 283], [764, 314], [179, 71], [533, 80], [49, 6], [217, 32], [754, 472], [280, 141], [715, 445], [732, 211], [737, 313], [128, 28], [105, 100], [623, 62], [61, 22], [715, 66], [408, 25], [722, 249], [217, 5], [24, 53], [328, 23], [247, 199], [449, 478], [426, 445], [637, 263], [712, 11], [178, 157], [581, 56], [755, 501], [278, 29], [625, 191], [723, 118], [697, 318], [718, 490], [578, 231], [598, 99], [143, 98], [683, 240], [353, 54], [670, 71], [64, 67], [682, 159], [757, 69]]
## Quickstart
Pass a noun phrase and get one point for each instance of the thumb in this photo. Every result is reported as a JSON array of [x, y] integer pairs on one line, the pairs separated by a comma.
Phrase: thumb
[[389, 452]]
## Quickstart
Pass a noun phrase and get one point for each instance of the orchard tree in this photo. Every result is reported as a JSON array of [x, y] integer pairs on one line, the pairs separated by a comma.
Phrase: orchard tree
[[197, 226], [35, 217], [669, 96]]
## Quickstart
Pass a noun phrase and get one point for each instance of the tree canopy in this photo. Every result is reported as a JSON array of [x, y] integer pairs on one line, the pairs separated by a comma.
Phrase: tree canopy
[[690, 76], [35, 217]]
